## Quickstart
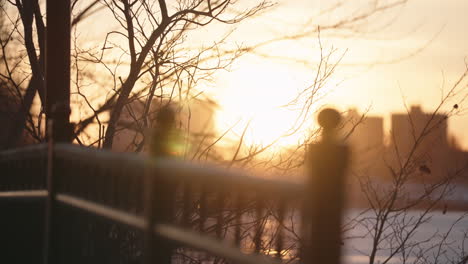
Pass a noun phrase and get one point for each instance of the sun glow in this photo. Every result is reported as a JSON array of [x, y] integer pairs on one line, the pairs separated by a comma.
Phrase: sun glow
[[253, 102]]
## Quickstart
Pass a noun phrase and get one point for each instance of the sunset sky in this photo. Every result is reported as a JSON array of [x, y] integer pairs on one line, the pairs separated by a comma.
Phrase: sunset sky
[[411, 54], [418, 56]]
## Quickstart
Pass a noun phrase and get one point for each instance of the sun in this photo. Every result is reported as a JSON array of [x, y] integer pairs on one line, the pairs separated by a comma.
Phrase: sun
[[253, 100]]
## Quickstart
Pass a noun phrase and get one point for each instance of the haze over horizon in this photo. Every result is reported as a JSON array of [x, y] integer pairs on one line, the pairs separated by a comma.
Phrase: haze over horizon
[[416, 57], [409, 55]]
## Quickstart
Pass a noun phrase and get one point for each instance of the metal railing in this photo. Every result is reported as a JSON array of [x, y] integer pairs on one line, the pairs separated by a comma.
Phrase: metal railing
[[171, 206]]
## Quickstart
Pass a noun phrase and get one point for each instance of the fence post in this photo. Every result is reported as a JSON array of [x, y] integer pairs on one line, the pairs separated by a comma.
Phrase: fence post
[[327, 161], [50, 220], [58, 65], [159, 192]]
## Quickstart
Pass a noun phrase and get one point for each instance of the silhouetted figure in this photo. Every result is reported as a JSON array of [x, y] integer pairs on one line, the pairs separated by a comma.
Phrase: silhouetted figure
[[444, 211]]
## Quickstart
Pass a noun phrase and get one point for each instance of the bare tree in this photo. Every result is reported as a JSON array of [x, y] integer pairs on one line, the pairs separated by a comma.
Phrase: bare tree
[[397, 213], [147, 57], [146, 63]]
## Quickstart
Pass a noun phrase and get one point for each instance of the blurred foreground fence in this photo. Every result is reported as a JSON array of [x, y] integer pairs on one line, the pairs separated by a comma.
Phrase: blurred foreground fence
[[68, 204]]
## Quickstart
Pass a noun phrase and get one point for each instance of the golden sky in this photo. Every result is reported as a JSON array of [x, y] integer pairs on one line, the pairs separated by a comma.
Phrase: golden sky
[[411, 54], [420, 51]]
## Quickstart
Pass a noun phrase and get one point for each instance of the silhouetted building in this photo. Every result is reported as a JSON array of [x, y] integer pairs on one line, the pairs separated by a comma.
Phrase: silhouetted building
[[367, 142], [421, 138], [194, 122], [417, 138], [424, 132], [368, 133]]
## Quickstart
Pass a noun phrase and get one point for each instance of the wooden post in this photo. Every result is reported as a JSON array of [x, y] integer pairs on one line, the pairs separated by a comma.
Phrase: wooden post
[[159, 192], [57, 105], [50, 228], [58, 68], [327, 162]]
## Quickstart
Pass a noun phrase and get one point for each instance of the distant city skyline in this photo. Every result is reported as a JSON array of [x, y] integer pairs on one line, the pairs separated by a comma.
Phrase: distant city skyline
[[387, 123], [418, 137], [419, 55]]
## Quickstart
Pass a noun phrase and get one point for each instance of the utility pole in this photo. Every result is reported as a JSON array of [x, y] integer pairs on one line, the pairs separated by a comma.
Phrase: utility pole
[[58, 70]]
